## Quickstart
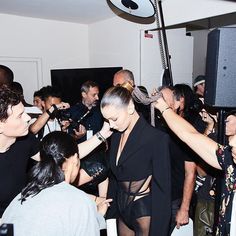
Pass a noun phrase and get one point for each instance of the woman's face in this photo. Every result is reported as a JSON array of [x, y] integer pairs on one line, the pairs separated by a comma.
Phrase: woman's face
[[118, 117]]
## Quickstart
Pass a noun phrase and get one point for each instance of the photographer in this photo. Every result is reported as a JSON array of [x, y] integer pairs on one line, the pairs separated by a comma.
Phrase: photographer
[[50, 120]]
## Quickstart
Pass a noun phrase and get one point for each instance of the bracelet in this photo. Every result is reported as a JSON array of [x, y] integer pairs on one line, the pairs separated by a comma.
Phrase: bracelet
[[55, 107], [100, 137], [165, 110], [49, 113]]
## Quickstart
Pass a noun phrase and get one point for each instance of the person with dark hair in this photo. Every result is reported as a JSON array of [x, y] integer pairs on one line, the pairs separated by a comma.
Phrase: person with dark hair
[[37, 99], [216, 155], [87, 112], [49, 205], [139, 161], [189, 105], [199, 85], [6, 75], [48, 121], [89, 118], [16, 147], [183, 167], [17, 88]]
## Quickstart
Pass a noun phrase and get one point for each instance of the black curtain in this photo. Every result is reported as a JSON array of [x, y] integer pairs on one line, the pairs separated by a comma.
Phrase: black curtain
[[69, 81]]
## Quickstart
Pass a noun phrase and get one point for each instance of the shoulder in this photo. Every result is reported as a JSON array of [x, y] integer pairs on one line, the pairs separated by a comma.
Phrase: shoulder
[[77, 108], [150, 135], [29, 138], [150, 130], [71, 194], [28, 144]]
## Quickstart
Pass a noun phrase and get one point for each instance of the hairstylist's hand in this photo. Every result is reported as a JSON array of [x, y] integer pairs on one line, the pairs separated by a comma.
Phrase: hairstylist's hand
[[63, 105], [105, 131], [160, 104], [103, 206]]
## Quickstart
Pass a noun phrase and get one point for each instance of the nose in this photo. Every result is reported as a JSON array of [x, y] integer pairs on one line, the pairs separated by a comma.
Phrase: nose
[[111, 124], [27, 118]]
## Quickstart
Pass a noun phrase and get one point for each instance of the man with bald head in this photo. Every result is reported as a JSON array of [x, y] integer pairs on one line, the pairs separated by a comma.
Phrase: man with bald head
[[6, 75], [125, 75]]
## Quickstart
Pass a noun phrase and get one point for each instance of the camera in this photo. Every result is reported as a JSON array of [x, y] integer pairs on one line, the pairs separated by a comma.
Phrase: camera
[[62, 114], [65, 115]]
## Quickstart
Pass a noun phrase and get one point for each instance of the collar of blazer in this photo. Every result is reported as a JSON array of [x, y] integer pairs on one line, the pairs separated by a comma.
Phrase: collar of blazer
[[132, 145]]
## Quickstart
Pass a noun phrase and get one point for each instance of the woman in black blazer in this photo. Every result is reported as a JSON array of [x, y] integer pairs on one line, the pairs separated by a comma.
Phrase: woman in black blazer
[[139, 161]]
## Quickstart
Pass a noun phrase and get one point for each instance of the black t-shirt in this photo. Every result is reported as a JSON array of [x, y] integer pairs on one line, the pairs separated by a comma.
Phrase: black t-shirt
[[13, 168], [179, 153]]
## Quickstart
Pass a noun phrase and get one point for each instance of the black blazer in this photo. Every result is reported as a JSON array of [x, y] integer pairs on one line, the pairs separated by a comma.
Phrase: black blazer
[[146, 152]]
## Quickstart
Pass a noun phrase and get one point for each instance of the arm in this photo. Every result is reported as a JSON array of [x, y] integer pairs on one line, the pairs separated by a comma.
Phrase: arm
[[42, 120], [102, 188], [202, 145], [89, 145], [210, 120], [182, 216]]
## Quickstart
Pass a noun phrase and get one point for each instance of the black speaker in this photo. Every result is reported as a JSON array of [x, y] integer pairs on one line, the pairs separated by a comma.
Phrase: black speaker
[[220, 86]]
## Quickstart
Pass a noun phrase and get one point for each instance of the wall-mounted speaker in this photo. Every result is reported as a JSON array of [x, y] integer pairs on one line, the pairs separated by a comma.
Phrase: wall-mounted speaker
[[220, 86]]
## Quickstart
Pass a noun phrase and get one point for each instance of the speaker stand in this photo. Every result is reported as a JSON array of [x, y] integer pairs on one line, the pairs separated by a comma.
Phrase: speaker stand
[[221, 138]]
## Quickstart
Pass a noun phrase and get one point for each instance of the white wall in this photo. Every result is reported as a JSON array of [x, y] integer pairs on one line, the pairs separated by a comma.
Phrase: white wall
[[179, 11], [117, 42], [49, 44], [41, 45], [199, 52]]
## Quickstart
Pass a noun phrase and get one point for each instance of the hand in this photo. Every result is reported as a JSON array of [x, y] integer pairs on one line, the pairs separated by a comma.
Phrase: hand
[[154, 92], [63, 105], [80, 132], [160, 104], [182, 218], [206, 117], [105, 131], [64, 125], [103, 206]]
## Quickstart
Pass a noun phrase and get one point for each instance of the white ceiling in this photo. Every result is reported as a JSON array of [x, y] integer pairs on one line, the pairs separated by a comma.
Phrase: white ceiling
[[79, 11], [91, 11]]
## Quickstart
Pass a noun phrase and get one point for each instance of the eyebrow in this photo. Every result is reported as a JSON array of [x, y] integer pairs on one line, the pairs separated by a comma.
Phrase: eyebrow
[[21, 113]]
